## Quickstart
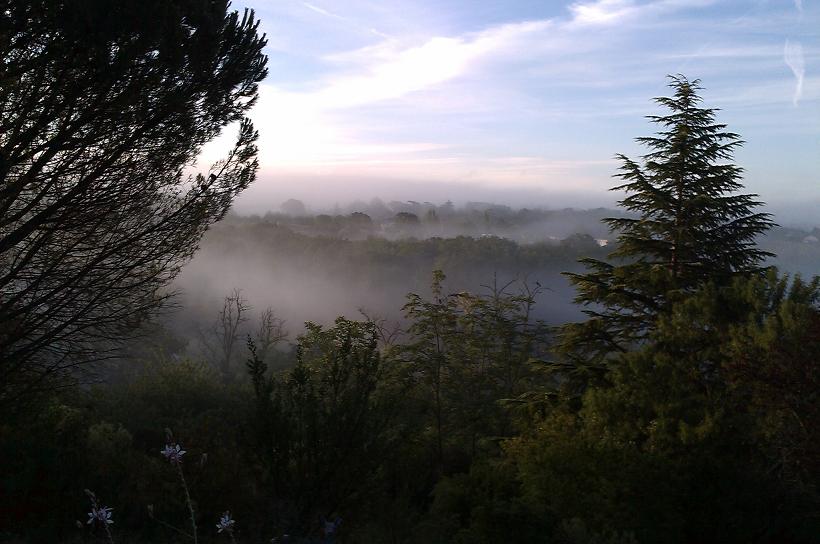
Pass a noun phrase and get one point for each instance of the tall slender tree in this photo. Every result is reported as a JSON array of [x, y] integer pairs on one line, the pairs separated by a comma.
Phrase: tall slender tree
[[688, 225]]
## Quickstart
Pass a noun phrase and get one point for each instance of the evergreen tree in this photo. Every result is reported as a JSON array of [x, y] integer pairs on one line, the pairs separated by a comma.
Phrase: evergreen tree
[[691, 227], [104, 106]]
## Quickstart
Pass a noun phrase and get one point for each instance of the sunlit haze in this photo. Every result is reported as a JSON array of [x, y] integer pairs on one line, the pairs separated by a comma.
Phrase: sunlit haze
[[523, 102]]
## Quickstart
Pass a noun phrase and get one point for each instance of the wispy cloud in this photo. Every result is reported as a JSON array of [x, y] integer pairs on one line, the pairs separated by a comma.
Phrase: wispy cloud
[[389, 71], [601, 11], [457, 93], [326, 13], [793, 56], [322, 11], [393, 68], [730, 51]]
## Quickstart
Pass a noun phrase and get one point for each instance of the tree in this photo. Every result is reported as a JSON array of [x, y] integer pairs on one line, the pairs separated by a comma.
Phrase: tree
[[318, 428], [104, 107], [773, 372], [715, 418], [407, 219], [691, 227], [465, 353], [294, 208], [433, 325]]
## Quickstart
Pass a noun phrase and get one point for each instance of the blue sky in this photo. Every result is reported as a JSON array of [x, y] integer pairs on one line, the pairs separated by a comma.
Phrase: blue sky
[[523, 101]]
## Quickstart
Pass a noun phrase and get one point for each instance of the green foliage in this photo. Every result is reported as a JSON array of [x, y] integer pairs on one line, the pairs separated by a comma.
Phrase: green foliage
[[692, 227], [484, 505], [690, 438], [773, 372], [686, 406], [466, 353], [690, 218], [695, 435], [318, 429]]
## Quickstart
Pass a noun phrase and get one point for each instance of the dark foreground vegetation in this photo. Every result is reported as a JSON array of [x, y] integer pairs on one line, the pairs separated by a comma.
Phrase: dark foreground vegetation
[[683, 408]]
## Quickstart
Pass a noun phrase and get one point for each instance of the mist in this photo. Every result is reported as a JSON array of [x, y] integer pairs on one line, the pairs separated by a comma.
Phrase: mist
[[323, 191], [316, 263]]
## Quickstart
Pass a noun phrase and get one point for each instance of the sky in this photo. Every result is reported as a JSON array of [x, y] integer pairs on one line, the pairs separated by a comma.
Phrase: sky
[[523, 102]]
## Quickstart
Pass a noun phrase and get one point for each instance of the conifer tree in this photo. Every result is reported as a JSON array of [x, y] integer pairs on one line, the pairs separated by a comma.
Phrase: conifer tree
[[104, 108], [688, 225]]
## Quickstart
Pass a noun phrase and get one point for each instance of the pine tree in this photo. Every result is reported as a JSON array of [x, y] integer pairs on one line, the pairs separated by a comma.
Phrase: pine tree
[[104, 107], [691, 227]]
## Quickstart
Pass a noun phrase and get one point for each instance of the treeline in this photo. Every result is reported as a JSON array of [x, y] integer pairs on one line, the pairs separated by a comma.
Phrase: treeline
[[411, 219], [362, 427]]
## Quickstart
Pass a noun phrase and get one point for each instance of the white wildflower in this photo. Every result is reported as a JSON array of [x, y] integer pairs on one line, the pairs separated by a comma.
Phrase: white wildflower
[[173, 452], [225, 523], [101, 515]]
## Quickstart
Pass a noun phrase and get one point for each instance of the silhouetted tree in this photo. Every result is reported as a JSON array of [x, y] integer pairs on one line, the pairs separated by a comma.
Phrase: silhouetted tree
[[226, 330], [407, 219], [692, 227], [433, 325], [103, 108], [317, 428], [361, 219]]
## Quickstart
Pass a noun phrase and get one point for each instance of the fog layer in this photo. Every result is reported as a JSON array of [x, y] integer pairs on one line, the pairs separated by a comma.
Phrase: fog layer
[[367, 256]]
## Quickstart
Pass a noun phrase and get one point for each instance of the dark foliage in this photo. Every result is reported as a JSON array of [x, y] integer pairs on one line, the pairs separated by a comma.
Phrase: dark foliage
[[103, 106], [691, 227]]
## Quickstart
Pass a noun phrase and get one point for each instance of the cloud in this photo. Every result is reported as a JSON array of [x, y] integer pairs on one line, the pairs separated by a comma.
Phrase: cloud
[[793, 56], [322, 11], [601, 11], [387, 70], [736, 51], [798, 4], [607, 12], [492, 106], [509, 171], [326, 126], [393, 68]]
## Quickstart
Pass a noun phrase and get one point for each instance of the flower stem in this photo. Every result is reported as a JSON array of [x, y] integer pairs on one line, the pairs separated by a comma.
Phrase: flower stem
[[171, 527], [108, 534], [187, 499]]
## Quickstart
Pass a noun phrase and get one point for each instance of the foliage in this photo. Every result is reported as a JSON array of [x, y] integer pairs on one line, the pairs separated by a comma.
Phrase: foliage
[[673, 448], [692, 227], [104, 106], [318, 428], [466, 353]]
